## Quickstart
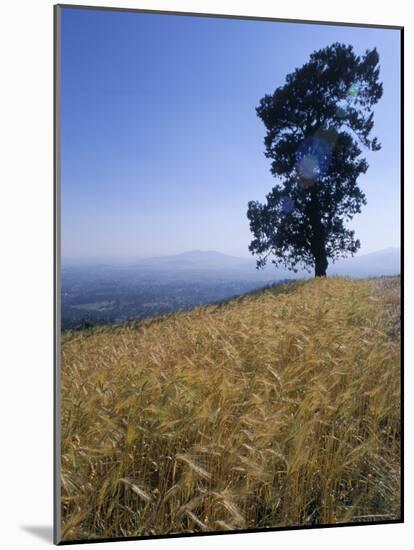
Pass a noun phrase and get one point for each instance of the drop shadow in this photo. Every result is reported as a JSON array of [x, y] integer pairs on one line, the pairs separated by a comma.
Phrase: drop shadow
[[43, 532]]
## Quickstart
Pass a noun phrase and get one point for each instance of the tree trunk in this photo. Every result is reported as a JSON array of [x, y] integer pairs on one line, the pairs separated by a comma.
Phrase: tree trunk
[[318, 237], [321, 261]]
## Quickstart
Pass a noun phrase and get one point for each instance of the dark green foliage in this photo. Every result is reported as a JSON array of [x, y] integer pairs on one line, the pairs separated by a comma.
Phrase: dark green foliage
[[315, 125]]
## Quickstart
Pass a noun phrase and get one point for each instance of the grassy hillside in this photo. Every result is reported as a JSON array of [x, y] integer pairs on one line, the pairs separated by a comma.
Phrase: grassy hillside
[[280, 408]]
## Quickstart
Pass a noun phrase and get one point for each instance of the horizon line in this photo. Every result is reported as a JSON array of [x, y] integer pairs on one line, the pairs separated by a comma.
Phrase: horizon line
[[136, 257]]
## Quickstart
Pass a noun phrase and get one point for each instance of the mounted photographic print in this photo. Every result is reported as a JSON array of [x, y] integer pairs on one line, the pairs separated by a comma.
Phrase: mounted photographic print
[[228, 274]]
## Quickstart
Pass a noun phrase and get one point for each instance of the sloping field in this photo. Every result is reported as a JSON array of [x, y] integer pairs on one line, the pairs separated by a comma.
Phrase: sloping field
[[277, 409]]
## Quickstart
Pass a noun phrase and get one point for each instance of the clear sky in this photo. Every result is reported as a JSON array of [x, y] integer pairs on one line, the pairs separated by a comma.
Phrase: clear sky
[[161, 145]]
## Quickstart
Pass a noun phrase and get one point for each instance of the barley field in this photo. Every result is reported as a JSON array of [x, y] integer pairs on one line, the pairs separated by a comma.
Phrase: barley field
[[280, 408]]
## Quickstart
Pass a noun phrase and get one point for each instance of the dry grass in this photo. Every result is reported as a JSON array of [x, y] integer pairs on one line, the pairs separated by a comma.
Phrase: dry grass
[[278, 409]]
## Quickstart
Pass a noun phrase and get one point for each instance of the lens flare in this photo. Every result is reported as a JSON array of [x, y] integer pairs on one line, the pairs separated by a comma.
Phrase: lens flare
[[309, 166], [313, 158], [353, 90]]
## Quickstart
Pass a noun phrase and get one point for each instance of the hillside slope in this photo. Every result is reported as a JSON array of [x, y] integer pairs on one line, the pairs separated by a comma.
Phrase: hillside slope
[[280, 408]]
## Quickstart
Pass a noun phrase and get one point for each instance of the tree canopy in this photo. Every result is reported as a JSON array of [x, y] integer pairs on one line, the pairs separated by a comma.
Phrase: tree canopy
[[316, 124]]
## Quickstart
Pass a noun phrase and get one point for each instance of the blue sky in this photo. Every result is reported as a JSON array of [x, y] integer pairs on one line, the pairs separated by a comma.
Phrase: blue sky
[[161, 145]]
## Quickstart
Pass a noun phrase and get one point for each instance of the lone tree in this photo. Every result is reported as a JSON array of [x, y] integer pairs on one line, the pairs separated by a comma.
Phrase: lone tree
[[315, 125]]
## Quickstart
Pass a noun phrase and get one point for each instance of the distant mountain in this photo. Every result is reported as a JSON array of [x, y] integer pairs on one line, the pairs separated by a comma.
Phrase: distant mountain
[[196, 259], [382, 262], [210, 263], [104, 293]]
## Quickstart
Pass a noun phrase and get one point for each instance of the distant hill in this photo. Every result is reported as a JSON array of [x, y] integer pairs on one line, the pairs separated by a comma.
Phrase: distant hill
[[205, 262], [196, 259], [382, 262], [110, 293]]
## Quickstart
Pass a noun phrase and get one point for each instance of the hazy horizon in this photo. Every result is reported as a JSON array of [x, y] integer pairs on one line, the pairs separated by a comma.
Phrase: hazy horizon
[[161, 145], [127, 259]]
